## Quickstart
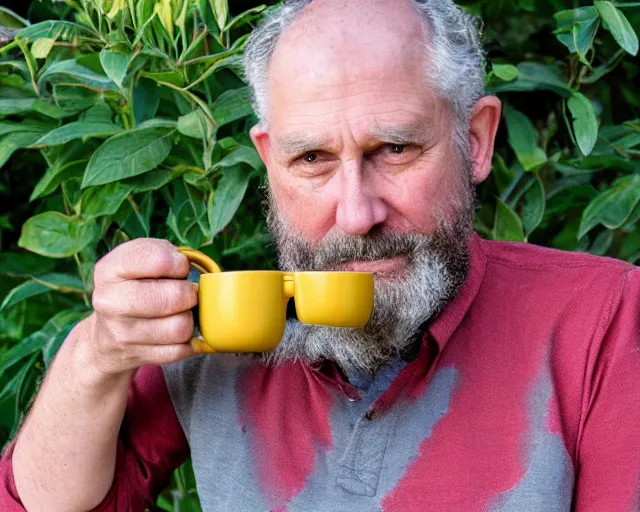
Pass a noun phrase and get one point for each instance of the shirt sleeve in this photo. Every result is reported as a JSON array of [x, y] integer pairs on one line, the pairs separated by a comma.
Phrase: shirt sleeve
[[151, 445], [608, 472]]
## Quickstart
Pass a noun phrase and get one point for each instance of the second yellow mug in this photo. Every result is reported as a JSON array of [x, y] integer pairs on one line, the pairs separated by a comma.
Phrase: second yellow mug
[[246, 311]]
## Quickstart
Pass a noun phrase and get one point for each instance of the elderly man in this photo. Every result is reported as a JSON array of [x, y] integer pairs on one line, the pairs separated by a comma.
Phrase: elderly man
[[491, 377]]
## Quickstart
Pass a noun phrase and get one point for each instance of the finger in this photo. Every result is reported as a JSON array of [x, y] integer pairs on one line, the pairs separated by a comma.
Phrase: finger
[[145, 299], [159, 331], [164, 354], [140, 259]]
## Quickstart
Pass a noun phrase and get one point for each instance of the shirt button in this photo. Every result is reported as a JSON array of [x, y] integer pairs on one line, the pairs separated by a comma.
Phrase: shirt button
[[370, 416]]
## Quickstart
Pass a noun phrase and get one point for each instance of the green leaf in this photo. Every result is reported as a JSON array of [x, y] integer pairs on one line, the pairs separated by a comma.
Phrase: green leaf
[[172, 77], [15, 384], [534, 206], [12, 323], [227, 198], [28, 125], [65, 70], [146, 99], [41, 47], [534, 77], [618, 24], [194, 124], [158, 122], [152, 180], [39, 339], [506, 72], [230, 59], [32, 65], [241, 155], [15, 66], [14, 141], [232, 105], [220, 11], [100, 113], [136, 222], [20, 263], [577, 29], [10, 19], [128, 154], [613, 206], [15, 106], [523, 138], [115, 65], [64, 283], [104, 200], [186, 216], [55, 175], [54, 29], [57, 331], [602, 243], [55, 235], [585, 123], [54, 111], [508, 226], [4, 223], [245, 17], [74, 98], [78, 130], [503, 176]]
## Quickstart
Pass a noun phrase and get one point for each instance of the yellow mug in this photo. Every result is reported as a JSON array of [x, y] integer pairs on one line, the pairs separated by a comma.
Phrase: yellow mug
[[246, 311]]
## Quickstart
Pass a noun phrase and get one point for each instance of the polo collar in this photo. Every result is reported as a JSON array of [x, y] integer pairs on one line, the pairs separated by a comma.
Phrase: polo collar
[[413, 377], [443, 327]]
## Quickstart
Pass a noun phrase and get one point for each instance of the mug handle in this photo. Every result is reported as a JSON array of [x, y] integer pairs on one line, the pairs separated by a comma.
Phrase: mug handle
[[200, 260], [204, 264]]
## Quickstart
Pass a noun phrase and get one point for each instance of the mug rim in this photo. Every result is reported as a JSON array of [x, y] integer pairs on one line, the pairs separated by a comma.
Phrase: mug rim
[[283, 273]]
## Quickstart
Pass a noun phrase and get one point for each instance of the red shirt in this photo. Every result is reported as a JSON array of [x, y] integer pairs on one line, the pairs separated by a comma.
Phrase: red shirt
[[544, 352]]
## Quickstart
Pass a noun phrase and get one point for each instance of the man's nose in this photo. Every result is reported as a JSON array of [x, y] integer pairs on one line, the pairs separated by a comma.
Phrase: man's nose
[[359, 206]]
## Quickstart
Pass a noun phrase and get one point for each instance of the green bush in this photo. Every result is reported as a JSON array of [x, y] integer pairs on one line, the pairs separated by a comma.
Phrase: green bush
[[128, 118]]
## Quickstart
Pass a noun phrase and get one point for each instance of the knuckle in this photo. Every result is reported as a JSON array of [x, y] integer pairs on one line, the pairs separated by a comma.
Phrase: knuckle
[[119, 335], [170, 353], [100, 271], [146, 255], [100, 300], [161, 257], [190, 294], [179, 328], [174, 296]]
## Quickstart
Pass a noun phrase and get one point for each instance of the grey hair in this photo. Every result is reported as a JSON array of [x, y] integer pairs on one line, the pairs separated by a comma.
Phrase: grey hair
[[456, 64]]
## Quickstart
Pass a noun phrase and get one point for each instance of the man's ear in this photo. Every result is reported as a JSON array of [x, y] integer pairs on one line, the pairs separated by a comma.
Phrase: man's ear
[[482, 133], [262, 143]]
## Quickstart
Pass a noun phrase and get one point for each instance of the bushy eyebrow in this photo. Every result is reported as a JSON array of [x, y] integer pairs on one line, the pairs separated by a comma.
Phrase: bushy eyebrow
[[409, 133], [414, 132], [298, 144]]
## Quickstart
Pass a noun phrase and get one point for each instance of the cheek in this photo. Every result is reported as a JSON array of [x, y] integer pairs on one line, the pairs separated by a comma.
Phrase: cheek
[[427, 195], [308, 212]]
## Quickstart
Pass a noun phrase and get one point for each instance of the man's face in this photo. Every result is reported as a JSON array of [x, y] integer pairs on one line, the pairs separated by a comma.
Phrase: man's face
[[364, 175]]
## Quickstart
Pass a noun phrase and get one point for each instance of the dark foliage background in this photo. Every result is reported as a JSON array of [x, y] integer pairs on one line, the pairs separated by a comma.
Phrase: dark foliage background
[[129, 118]]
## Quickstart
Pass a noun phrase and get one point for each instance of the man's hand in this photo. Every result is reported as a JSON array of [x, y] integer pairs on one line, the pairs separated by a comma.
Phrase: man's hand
[[65, 455], [142, 307]]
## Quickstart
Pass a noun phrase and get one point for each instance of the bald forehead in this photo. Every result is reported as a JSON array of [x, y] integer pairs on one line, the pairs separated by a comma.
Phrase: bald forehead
[[340, 22], [337, 42]]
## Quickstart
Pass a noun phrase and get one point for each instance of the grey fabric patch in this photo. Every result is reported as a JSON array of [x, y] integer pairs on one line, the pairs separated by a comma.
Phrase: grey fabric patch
[[547, 485], [203, 393]]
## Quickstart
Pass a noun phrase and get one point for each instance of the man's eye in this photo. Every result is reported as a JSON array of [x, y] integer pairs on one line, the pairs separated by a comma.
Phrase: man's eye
[[398, 154], [310, 157]]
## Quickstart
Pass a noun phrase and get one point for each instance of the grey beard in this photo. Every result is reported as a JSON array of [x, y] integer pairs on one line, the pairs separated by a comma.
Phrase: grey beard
[[437, 266]]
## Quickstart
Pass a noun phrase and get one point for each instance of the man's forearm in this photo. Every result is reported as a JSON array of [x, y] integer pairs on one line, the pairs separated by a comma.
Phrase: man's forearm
[[65, 454]]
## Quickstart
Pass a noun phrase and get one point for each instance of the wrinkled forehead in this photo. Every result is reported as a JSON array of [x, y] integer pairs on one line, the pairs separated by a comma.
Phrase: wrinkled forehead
[[368, 63]]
